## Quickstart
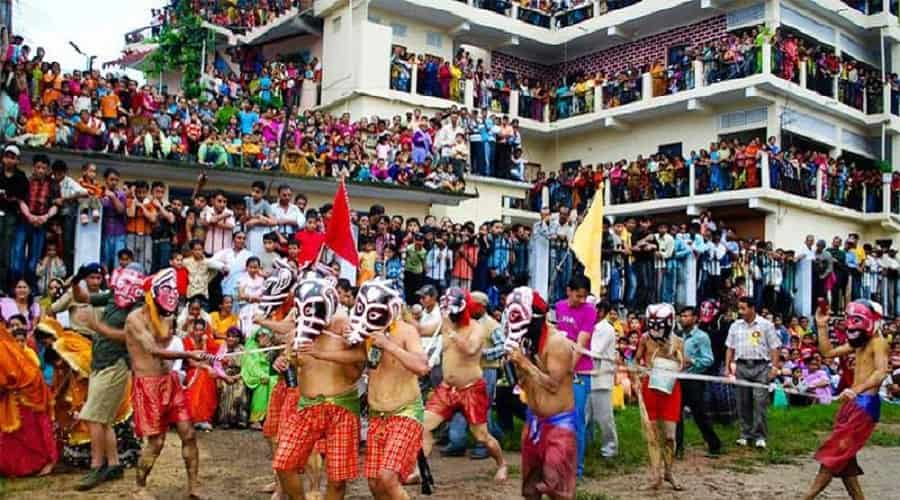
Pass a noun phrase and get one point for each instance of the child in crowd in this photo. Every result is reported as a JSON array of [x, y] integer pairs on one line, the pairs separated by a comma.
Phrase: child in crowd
[[817, 382], [367, 260]]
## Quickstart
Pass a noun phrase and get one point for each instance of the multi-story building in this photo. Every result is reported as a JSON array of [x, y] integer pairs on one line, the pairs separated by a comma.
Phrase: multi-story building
[[632, 110], [608, 37]]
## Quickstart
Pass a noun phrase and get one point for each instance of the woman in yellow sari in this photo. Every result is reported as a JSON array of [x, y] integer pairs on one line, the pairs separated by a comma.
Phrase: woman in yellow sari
[[658, 73], [455, 76], [26, 429]]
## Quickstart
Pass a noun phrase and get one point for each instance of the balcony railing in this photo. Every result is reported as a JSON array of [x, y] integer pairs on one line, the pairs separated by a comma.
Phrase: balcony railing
[[575, 11], [807, 181]]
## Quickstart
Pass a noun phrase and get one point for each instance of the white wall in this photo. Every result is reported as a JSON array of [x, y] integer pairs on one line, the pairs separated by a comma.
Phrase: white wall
[[789, 226], [417, 33]]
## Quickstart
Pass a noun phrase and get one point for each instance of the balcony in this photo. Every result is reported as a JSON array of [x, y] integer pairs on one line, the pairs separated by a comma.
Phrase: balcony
[[764, 88], [296, 20], [767, 197]]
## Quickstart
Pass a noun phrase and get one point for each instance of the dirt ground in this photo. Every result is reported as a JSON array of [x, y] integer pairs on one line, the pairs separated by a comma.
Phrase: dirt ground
[[234, 465]]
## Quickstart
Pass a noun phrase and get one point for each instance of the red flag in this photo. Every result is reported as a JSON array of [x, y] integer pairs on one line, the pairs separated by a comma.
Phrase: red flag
[[337, 235]]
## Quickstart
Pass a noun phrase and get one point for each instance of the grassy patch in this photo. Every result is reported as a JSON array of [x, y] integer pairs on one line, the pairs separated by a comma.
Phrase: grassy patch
[[793, 433]]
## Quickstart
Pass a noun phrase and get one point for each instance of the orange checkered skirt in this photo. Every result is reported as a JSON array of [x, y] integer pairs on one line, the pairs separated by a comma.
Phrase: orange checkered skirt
[[337, 426], [282, 401], [393, 444]]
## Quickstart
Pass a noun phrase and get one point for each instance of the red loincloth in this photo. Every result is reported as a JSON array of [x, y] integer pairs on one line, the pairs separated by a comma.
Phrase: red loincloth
[[337, 426], [853, 425], [158, 402], [202, 394], [472, 400], [29, 449], [393, 444], [662, 406], [548, 456], [276, 403]]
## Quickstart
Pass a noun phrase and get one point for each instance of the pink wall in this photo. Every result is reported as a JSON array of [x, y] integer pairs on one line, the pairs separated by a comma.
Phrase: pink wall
[[638, 53]]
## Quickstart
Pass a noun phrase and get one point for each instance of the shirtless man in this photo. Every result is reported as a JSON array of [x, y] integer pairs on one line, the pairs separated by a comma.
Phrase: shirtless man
[[463, 387], [328, 408], [395, 361], [861, 405], [544, 364], [659, 349], [157, 396]]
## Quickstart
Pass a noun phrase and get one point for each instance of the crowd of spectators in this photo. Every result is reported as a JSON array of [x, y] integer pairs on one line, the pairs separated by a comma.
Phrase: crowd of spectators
[[243, 15], [552, 13]]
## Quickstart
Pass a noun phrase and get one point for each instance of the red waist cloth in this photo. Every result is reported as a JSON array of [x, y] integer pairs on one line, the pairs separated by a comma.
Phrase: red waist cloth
[[472, 400], [282, 402], [26, 451], [853, 426], [662, 406], [158, 402], [548, 458]]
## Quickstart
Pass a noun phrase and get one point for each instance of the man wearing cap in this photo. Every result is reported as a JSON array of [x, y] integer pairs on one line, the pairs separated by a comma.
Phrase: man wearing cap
[[427, 319], [491, 354], [110, 371], [13, 188]]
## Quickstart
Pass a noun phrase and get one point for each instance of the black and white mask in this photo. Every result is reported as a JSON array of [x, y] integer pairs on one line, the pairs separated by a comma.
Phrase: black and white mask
[[518, 313], [277, 287], [377, 307], [316, 301]]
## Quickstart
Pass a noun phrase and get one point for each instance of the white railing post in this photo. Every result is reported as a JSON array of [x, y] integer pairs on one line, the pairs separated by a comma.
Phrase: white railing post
[[865, 101], [414, 79], [886, 99], [697, 68], [767, 58], [514, 104], [819, 178], [547, 113], [470, 2], [803, 73], [886, 192], [607, 192], [646, 87], [514, 11], [765, 176], [835, 87], [865, 198], [469, 94], [692, 179], [598, 97]]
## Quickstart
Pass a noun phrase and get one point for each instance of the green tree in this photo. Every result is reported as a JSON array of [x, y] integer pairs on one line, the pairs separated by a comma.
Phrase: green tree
[[180, 49]]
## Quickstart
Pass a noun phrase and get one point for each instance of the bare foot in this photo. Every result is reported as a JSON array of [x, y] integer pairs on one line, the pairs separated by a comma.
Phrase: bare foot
[[195, 494], [502, 473], [269, 488], [142, 494], [47, 469], [671, 480]]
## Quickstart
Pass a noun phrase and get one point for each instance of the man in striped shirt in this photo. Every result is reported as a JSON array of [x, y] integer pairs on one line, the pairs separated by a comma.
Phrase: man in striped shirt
[[219, 222], [438, 261]]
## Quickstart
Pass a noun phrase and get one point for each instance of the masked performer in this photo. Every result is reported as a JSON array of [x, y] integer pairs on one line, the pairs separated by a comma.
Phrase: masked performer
[[157, 396], [661, 393], [463, 387], [861, 407], [544, 370], [396, 360], [328, 408], [723, 406], [110, 375]]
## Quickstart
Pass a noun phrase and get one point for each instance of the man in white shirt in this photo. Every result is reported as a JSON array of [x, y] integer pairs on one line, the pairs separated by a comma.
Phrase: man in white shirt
[[427, 319], [603, 345], [231, 262], [287, 215], [446, 137], [219, 222]]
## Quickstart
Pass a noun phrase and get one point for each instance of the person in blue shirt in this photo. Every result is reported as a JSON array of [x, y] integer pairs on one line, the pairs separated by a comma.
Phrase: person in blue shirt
[[698, 359], [248, 117]]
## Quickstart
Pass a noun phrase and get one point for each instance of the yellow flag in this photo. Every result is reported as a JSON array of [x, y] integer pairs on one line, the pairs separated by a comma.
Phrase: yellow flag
[[588, 241]]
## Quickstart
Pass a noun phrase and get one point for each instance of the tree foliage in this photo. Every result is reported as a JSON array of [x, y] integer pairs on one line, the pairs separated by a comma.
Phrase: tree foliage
[[180, 49]]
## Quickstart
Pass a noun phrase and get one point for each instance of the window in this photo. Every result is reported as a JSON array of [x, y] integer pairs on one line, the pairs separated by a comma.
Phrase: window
[[399, 30], [670, 150], [433, 39], [336, 24]]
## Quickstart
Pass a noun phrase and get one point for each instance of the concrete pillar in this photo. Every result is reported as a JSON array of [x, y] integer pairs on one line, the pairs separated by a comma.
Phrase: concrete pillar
[[469, 94], [886, 100], [514, 11], [514, 104], [646, 87], [470, 2], [414, 80], [767, 58], [598, 98], [865, 98], [607, 192], [764, 170], [547, 113], [865, 196], [835, 88], [697, 68], [803, 75]]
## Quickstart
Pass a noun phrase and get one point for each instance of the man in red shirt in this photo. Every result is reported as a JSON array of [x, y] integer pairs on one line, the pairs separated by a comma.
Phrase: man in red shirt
[[310, 239]]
